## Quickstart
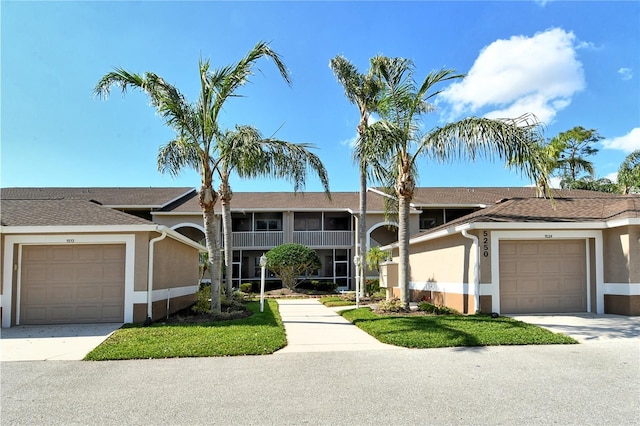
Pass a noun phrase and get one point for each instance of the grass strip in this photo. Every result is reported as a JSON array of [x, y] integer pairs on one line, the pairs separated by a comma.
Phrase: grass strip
[[336, 301], [439, 331], [259, 334]]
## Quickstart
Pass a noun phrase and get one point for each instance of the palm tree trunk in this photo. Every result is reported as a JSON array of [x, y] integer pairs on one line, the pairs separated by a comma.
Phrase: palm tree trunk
[[225, 199], [362, 230], [403, 248], [207, 198]]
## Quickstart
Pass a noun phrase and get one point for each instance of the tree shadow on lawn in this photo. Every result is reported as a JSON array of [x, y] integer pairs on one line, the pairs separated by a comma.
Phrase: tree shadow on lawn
[[434, 331], [249, 317]]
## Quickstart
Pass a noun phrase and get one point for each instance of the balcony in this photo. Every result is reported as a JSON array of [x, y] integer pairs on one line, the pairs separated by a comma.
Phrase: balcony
[[257, 239], [324, 238]]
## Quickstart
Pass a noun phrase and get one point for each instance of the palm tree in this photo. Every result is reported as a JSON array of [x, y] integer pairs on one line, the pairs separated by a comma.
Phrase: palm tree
[[550, 160], [400, 140], [629, 173], [196, 129], [364, 91], [245, 152]]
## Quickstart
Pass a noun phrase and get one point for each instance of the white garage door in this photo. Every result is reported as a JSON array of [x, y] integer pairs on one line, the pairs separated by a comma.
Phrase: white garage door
[[72, 284], [543, 276]]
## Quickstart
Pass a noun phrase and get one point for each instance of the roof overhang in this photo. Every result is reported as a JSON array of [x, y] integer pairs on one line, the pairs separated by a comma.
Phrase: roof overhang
[[104, 229], [523, 226]]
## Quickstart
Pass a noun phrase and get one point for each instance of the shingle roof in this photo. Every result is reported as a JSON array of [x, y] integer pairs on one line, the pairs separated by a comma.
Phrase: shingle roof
[[116, 197], [63, 213], [442, 196], [560, 210], [254, 201]]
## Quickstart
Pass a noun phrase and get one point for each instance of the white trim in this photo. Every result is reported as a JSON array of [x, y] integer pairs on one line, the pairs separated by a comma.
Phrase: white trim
[[140, 297], [622, 289], [376, 226], [80, 229], [188, 225], [66, 239], [457, 288]]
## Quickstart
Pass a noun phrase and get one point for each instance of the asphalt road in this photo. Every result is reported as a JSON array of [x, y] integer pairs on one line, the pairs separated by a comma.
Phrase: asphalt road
[[597, 383]]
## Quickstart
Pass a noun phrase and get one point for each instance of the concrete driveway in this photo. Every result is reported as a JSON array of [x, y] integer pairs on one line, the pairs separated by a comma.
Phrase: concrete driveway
[[52, 342], [587, 328]]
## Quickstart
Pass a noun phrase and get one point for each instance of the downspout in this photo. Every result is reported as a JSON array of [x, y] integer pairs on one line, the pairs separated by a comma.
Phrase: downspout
[[152, 242], [476, 270]]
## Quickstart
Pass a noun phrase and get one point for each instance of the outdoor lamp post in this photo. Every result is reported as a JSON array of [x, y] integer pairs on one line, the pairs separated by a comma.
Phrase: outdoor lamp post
[[263, 264], [358, 261]]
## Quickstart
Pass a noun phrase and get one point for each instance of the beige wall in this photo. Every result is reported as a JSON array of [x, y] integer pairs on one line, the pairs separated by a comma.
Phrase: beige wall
[[141, 264], [443, 260], [174, 265], [616, 255]]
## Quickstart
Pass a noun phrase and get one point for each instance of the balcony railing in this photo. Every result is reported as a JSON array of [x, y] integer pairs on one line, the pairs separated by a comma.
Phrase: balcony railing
[[323, 238], [258, 239]]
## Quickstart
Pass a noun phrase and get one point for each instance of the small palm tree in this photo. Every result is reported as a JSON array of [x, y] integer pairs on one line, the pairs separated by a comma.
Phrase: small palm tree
[[245, 152], [196, 127], [364, 91], [401, 141]]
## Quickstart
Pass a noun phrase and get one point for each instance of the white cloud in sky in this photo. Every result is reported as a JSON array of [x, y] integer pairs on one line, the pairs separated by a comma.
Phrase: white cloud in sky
[[538, 75], [625, 73], [627, 143], [613, 177]]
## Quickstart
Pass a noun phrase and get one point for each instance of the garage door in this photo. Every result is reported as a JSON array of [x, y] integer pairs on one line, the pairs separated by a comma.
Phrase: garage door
[[543, 276], [72, 284]]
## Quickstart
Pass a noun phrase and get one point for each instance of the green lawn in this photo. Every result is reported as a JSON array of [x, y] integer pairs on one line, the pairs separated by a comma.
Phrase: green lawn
[[336, 301], [438, 331], [259, 334]]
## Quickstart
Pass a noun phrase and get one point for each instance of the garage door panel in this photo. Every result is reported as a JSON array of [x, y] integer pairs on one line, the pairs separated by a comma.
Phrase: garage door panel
[[36, 273], [528, 267], [542, 276], [61, 254], [78, 288], [527, 249]]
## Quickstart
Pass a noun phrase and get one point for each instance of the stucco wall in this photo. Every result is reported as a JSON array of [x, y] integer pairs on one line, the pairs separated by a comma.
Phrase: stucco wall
[[175, 265], [443, 260], [141, 264], [616, 255]]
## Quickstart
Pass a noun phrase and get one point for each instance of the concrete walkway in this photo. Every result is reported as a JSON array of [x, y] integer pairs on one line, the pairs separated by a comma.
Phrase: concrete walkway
[[312, 327]]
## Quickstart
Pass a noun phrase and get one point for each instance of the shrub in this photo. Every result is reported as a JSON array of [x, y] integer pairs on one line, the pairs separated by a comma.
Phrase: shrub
[[320, 286], [435, 309], [246, 287], [393, 305], [373, 286], [203, 300], [289, 261]]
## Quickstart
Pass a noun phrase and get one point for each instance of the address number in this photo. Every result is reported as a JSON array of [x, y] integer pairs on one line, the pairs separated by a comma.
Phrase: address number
[[70, 240]]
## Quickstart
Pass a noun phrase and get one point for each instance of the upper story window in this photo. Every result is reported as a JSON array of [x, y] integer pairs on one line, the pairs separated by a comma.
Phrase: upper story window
[[268, 221], [241, 222], [307, 221], [334, 221]]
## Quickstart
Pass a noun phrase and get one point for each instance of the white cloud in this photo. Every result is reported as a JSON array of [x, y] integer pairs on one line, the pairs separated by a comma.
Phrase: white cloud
[[538, 74], [613, 177], [625, 73], [627, 143]]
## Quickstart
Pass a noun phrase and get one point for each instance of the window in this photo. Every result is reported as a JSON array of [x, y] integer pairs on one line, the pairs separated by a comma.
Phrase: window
[[307, 221], [337, 221], [241, 222], [268, 221], [431, 218]]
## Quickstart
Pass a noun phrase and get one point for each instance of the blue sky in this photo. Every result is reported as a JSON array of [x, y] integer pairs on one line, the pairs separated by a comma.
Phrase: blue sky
[[571, 63]]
